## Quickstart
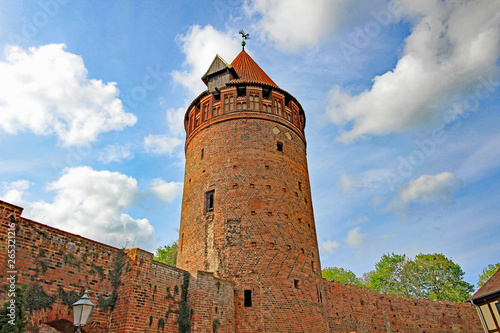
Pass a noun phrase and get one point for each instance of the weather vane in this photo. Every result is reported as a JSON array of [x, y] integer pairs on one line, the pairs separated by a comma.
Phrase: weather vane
[[244, 36]]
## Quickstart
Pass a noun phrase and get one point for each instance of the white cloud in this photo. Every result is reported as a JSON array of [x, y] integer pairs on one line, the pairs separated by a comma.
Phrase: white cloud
[[429, 188], [113, 153], [292, 24], [175, 118], [45, 90], [13, 192], [367, 180], [200, 45], [161, 144], [166, 192], [355, 238], [91, 203], [452, 44], [329, 246]]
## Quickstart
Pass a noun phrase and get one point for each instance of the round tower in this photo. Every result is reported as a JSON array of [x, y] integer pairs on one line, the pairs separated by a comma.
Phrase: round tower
[[247, 212]]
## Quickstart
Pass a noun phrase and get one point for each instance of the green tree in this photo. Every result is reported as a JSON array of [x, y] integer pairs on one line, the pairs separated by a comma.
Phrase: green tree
[[435, 277], [341, 275], [167, 254], [365, 280], [429, 276], [389, 276], [17, 313], [488, 272]]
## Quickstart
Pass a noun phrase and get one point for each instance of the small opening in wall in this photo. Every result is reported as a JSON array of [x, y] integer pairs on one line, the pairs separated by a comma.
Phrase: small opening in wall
[[248, 298], [268, 187], [267, 167], [235, 185], [209, 201], [252, 185], [313, 265], [296, 284], [300, 186], [181, 242], [253, 212], [279, 146], [305, 199], [202, 153]]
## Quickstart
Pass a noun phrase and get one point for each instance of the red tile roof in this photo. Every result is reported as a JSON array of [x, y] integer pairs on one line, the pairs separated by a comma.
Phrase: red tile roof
[[492, 285], [249, 72]]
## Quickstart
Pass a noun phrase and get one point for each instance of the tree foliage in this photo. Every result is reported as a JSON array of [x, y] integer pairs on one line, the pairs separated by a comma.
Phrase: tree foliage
[[488, 272], [12, 315], [167, 254], [429, 276], [341, 275]]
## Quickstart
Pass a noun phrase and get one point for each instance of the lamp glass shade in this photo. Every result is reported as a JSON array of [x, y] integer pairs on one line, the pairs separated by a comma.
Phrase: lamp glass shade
[[82, 310]]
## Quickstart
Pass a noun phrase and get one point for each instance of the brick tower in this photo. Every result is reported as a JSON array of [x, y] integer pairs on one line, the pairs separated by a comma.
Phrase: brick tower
[[247, 213]]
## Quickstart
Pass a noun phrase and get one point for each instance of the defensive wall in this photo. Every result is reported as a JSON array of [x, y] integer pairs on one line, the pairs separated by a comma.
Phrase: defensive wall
[[150, 296]]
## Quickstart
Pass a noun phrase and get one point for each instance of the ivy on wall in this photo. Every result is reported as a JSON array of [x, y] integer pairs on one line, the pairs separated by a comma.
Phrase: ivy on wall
[[115, 276], [14, 321], [184, 313]]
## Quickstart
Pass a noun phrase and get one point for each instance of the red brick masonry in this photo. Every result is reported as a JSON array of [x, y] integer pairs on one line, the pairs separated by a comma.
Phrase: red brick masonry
[[142, 300]]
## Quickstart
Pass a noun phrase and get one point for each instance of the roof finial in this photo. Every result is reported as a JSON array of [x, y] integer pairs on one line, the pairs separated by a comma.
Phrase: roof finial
[[244, 36]]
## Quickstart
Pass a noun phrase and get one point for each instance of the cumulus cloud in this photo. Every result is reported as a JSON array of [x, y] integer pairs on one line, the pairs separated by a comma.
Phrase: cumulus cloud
[[161, 144], [451, 46], [200, 45], [329, 246], [355, 238], [114, 153], [425, 189], [429, 188], [91, 203], [166, 192], [13, 192], [45, 90], [292, 24]]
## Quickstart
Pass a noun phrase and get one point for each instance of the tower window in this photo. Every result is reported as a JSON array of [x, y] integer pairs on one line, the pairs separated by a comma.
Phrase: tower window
[[209, 201], [202, 153], [279, 146], [248, 298], [296, 284], [300, 186]]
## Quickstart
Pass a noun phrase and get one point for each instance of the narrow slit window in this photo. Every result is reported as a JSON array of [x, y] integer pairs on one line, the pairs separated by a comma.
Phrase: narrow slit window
[[279, 146], [300, 186], [209, 201], [248, 298], [181, 243], [296, 284], [202, 153]]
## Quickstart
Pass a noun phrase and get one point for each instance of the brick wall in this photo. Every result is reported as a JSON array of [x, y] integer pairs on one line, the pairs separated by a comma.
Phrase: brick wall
[[353, 309], [54, 259]]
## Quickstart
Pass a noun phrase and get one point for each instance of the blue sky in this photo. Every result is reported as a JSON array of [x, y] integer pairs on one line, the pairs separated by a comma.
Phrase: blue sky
[[401, 99]]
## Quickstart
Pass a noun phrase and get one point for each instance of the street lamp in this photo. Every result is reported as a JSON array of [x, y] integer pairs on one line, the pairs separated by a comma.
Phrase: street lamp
[[81, 311]]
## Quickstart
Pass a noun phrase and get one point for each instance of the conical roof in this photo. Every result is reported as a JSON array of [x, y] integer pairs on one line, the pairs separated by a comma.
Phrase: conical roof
[[249, 72]]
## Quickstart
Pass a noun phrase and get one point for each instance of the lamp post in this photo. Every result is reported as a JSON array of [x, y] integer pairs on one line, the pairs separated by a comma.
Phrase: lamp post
[[81, 311]]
